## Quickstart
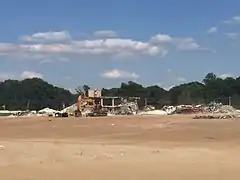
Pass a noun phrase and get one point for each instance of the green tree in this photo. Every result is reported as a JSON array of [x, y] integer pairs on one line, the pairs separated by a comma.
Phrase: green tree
[[39, 94], [34, 93], [82, 90], [209, 77]]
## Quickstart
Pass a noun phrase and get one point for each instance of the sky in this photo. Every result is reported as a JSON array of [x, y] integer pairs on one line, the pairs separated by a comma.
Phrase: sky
[[103, 43]]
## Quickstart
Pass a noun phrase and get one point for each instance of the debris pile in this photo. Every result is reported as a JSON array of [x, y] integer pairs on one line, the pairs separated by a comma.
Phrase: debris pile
[[219, 108], [169, 109], [92, 103], [210, 111], [129, 108], [188, 109], [124, 108], [182, 109], [215, 116], [153, 112], [217, 111], [148, 108]]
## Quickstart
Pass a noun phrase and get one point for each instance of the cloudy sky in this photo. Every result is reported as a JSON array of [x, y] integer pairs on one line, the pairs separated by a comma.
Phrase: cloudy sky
[[103, 43]]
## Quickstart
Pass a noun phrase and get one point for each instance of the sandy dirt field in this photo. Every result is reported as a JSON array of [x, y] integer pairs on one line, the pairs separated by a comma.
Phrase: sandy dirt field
[[116, 148]]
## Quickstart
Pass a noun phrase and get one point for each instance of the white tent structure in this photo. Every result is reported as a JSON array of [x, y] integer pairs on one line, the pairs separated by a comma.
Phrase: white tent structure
[[69, 109], [47, 111]]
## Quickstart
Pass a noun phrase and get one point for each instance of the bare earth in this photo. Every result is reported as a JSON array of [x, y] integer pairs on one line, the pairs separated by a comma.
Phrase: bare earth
[[116, 148]]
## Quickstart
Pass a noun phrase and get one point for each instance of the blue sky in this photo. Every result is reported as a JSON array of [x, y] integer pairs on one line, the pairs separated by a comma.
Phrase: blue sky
[[103, 43]]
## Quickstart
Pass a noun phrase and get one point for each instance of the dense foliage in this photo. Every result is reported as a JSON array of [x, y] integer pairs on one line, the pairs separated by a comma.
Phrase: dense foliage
[[36, 93], [33, 94], [212, 88]]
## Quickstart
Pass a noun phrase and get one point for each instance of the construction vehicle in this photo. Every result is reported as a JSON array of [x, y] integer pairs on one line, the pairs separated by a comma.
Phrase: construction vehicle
[[89, 104]]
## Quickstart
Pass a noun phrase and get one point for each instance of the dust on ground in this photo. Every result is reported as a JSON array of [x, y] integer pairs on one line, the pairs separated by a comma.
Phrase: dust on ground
[[130, 147]]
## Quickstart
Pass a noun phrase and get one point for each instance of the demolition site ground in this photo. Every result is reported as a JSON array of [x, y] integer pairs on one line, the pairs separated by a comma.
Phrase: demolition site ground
[[127, 147]]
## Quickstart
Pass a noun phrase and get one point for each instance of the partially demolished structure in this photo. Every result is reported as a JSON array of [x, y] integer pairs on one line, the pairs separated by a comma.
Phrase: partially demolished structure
[[112, 106], [94, 104]]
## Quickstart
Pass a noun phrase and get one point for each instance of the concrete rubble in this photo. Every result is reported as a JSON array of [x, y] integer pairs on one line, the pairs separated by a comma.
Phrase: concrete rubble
[[113, 106], [208, 111], [125, 108]]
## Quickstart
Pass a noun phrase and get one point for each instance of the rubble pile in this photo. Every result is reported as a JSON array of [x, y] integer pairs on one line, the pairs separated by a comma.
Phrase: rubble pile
[[210, 111], [215, 116], [188, 109], [126, 108], [217, 111], [219, 108], [169, 109], [130, 108], [148, 108], [182, 109], [121, 106]]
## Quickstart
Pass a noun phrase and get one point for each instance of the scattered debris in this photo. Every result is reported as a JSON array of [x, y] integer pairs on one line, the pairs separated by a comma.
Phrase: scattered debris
[[92, 104], [215, 116], [217, 111], [105, 156], [210, 111], [153, 112]]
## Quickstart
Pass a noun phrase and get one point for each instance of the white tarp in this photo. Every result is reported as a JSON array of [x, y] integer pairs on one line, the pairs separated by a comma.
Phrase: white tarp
[[154, 112], [71, 108], [48, 111]]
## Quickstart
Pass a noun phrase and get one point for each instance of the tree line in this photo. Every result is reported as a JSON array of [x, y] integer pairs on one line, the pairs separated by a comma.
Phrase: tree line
[[212, 88], [36, 93], [33, 94]]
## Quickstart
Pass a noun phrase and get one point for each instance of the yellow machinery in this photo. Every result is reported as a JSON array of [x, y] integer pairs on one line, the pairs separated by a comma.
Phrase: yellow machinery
[[89, 105]]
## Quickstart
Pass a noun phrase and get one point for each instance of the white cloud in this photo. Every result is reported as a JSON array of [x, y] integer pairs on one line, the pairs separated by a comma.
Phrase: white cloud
[[224, 76], [30, 74], [23, 75], [8, 48], [72, 90], [45, 61], [105, 34], [236, 18], [47, 37], [212, 30], [188, 44], [181, 43], [51, 46], [232, 35], [37, 48], [157, 84], [49, 59], [162, 38], [67, 77], [5, 76], [119, 74], [167, 88], [181, 79], [169, 70], [233, 20]]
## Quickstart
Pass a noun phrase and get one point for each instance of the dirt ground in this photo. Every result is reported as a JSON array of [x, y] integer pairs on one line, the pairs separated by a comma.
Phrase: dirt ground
[[114, 148]]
